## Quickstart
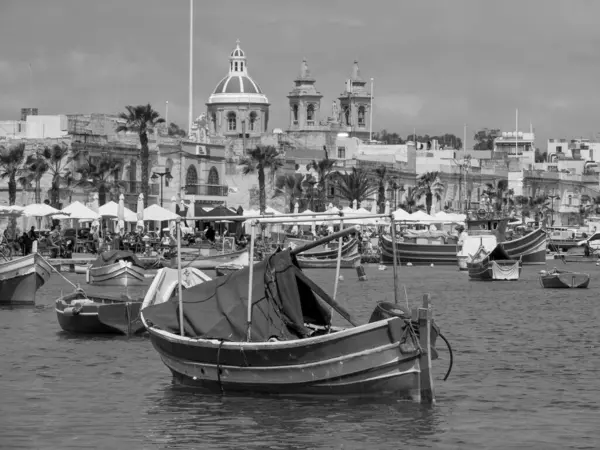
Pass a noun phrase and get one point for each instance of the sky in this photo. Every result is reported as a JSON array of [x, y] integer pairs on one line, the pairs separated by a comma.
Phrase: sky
[[437, 64]]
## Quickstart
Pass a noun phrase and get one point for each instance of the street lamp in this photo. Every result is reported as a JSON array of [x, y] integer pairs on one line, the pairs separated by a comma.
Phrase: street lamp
[[167, 174], [402, 191]]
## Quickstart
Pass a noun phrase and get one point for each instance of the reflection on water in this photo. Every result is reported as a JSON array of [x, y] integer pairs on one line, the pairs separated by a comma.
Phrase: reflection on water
[[525, 376]]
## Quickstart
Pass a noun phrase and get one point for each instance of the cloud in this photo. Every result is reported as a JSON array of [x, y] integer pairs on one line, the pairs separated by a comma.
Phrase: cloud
[[406, 105]]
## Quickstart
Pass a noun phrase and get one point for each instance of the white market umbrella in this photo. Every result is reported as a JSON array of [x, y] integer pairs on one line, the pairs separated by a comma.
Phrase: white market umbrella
[[111, 209], [401, 214], [421, 216], [374, 208], [78, 211], [140, 211], [40, 210], [120, 225], [355, 204], [158, 214]]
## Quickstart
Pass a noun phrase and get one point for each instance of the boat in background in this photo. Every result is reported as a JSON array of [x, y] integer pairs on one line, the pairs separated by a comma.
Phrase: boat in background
[[209, 260], [494, 265], [116, 268], [21, 277], [471, 246], [223, 270], [330, 251], [530, 249], [347, 262], [559, 279]]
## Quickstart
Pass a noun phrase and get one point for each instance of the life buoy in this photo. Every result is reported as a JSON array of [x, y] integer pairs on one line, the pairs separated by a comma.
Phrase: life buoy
[[481, 213]]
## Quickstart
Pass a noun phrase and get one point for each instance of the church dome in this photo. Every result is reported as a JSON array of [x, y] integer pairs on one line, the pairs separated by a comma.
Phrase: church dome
[[237, 86]]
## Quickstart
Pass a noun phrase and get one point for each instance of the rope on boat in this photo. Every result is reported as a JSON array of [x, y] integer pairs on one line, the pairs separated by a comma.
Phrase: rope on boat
[[219, 367], [451, 355]]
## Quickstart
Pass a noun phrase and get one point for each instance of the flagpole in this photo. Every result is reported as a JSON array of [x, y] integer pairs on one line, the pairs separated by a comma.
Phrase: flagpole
[[191, 81], [371, 113]]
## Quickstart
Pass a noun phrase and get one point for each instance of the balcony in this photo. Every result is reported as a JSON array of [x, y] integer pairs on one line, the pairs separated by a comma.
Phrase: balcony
[[207, 189]]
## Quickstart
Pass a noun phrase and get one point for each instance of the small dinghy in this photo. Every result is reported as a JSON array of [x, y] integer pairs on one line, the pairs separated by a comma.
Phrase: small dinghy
[[116, 268], [558, 279]]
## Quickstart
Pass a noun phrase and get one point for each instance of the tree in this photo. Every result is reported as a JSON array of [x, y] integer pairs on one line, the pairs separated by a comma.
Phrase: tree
[[290, 187], [496, 193], [36, 167], [381, 175], [176, 130], [410, 199], [540, 156], [430, 187], [356, 185], [102, 175], [324, 168], [11, 165], [56, 160], [258, 160], [140, 119], [485, 139]]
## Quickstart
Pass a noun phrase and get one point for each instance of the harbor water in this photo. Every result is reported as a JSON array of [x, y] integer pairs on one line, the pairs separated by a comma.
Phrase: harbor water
[[525, 375]]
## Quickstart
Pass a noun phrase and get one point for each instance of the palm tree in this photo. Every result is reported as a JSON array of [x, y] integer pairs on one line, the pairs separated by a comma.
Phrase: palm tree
[[140, 119], [382, 177], [57, 159], [324, 168], [258, 160], [430, 187], [11, 164], [102, 175], [410, 199], [36, 167], [356, 185], [290, 187]]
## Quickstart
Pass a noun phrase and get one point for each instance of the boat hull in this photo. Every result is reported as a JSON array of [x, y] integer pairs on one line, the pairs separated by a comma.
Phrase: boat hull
[[121, 273], [79, 314], [211, 262], [565, 280], [20, 278], [362, 361], [505, 270], [531, 249], [348, 248], [227, 269], [315, 263]]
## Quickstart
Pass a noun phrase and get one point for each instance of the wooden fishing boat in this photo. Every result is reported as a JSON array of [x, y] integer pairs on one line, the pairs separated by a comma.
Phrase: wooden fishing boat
[[116, 268], [83, 313], [284, 344], [555, 279], [21, 277], [494, 265], [331, 251], [211, 261], [531, 248], [471, 246], [81, 268], [347, 262], [227, 269]]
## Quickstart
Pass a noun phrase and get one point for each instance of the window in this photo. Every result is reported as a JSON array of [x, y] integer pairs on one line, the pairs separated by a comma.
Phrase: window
[[231, 121], [213, 118], [310, 114], [361, 116], [341, 153], [252, 120], [559, 148], [241, 66], [191, 177], [236, 66], [295, 114], [570, 199], [213, 181]]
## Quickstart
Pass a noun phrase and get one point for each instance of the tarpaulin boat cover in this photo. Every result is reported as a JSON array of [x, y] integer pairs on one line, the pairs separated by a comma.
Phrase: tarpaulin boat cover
[[112, 256], [281, 305], [498, 254]]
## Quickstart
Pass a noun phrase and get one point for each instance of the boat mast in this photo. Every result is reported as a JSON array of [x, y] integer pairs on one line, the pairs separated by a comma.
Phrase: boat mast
[[250, 282], [395, 258], [191, 80], [179, 288], [337, 269]]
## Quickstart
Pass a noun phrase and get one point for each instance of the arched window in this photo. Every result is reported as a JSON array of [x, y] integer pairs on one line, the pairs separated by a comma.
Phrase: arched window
[[361, 116], [213, 181], [310, 114], [236, 66], [252, 120], [570, 198], [295, 114], [242, 66], [191, 176], [231, 121]]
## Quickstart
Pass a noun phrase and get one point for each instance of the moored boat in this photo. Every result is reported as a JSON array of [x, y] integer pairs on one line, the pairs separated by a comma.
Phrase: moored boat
[[471, 245], [346, 262], [558, 279], [21, 277], [494, 265], [286, 346], [211, 261], [116, 268], [223, 270]]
